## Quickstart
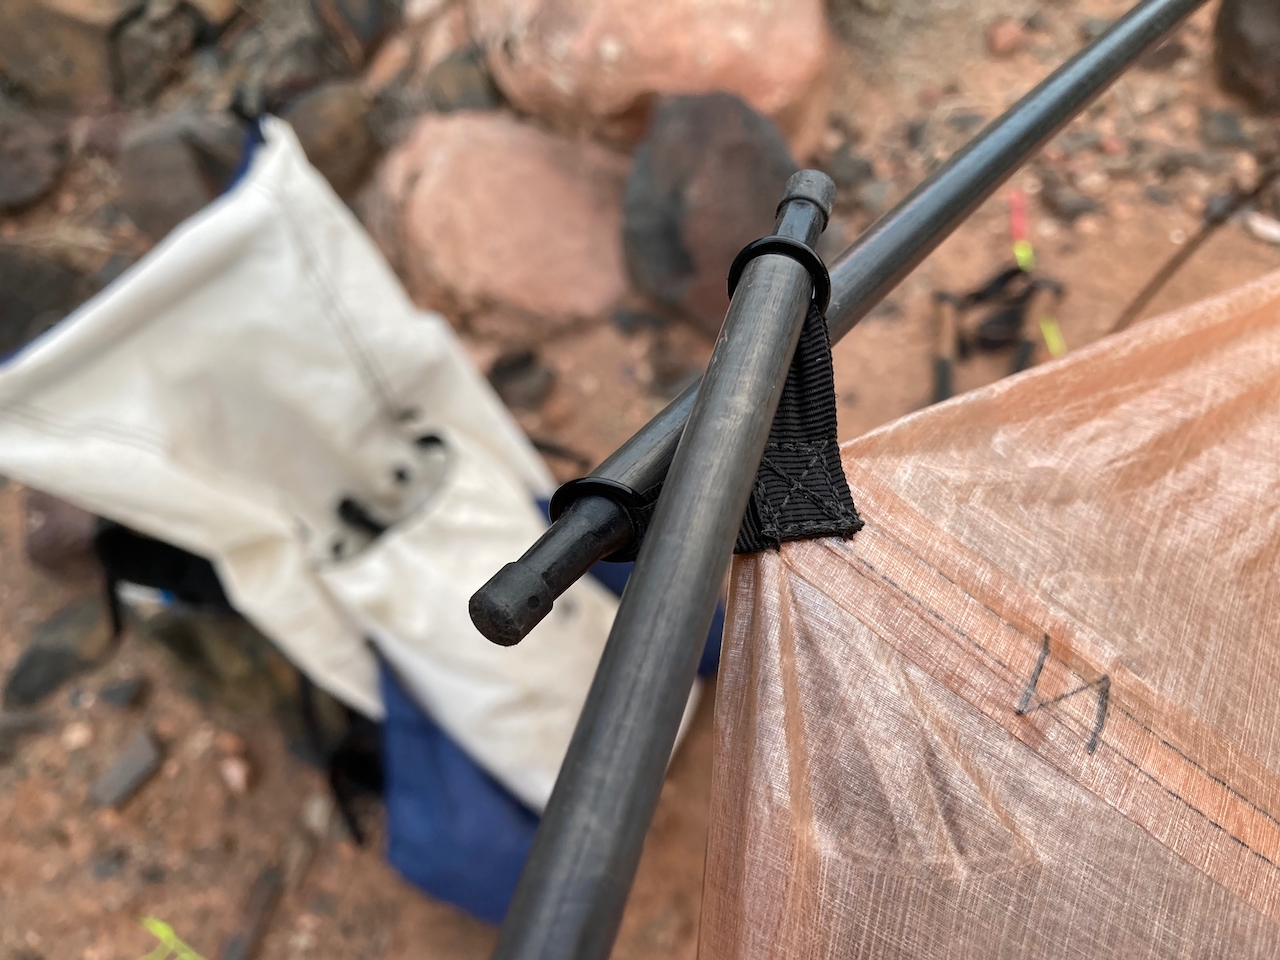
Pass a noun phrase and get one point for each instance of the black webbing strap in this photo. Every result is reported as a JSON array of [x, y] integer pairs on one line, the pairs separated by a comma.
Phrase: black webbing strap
[[800, 490]]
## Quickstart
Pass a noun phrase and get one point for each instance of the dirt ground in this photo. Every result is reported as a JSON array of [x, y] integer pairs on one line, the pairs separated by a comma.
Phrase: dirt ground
[[74, 881]]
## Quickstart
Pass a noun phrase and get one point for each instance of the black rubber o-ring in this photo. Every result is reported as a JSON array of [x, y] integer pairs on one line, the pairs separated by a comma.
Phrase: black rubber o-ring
[[802, 253], [568, 493]]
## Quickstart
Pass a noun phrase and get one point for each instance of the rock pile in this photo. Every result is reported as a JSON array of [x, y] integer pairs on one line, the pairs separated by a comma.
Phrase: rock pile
[[551, 163]]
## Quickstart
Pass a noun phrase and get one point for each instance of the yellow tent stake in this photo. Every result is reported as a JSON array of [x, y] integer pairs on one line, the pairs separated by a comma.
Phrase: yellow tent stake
[[1025, 254], [169, 942], [1052, 336]]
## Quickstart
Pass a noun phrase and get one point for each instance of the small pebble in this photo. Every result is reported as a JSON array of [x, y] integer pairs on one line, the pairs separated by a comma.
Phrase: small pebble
[[1221, 128], [80, 699], [1263, 227], [1005, 37], [316, 811], [235, 774], [199, 742], [108, 864], [76, 736], [132, 767], [1246, 171]]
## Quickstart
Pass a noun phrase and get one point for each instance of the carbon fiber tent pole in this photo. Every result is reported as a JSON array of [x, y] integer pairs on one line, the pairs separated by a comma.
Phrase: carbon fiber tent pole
[[571, 894], [603, 515]]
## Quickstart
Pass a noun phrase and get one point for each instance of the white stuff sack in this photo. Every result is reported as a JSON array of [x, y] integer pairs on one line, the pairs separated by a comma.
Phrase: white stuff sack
[[257, 367]]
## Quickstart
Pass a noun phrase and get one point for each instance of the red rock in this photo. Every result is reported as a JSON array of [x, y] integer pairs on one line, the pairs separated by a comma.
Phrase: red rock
[[491, 219], [1005, 37], [597, 63]]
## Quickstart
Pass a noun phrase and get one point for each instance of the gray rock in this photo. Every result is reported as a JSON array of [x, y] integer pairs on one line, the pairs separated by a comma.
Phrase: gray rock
[[134, 766], [109, 863], [330, 124], [38, 292], [705, 182], [1247, 50], [61, 53], [39, 672], [1064, 201], [919, 136], [70, 642], [150, 49], [1160, 196], [521, 380], [127, 693], [1222, 128], [173, 165], [32, 156]]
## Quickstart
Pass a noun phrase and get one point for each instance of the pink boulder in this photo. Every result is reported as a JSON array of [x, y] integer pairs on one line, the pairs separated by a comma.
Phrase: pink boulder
[[506, 228], [598, 63]]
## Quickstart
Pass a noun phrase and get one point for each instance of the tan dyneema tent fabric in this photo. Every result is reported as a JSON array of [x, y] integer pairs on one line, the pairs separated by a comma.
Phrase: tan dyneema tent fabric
[[1032, 710]]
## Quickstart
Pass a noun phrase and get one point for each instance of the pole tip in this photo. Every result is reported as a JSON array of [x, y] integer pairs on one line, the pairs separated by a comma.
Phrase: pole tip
[[814, 186]]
